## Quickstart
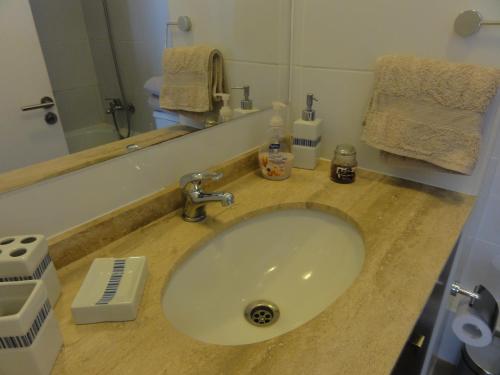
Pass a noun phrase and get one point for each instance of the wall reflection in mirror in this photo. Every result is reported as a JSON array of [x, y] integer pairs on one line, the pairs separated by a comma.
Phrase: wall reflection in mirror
[[110, 78]]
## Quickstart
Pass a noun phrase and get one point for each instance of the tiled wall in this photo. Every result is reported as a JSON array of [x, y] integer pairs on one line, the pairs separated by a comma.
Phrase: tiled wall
[[138, 30], [254, 37], [335, 47], [65, 44]]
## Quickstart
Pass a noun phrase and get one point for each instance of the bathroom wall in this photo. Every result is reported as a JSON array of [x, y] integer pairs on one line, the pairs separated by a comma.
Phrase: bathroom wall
[[65, 44], [254, 37], [335, 47], [139, 33]]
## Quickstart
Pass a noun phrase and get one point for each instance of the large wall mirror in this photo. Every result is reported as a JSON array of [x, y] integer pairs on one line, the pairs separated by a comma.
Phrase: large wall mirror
[[79, 75]]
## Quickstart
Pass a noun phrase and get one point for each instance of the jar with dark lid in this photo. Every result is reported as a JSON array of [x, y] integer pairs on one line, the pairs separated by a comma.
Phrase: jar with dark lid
[[344, 163]]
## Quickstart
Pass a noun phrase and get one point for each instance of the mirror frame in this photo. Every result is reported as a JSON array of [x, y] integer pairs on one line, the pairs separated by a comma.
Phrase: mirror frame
[[32, 174]]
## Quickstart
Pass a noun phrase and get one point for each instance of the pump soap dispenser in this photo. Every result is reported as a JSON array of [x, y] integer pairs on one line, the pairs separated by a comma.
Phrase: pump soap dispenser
[[275, 157], [307, 137], [246, 104]]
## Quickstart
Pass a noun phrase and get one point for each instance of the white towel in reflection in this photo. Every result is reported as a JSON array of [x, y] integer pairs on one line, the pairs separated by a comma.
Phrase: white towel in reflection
[[153, 85]]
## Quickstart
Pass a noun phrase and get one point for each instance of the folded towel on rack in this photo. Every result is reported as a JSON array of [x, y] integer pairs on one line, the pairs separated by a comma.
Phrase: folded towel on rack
[[430, 110], [192, 75]]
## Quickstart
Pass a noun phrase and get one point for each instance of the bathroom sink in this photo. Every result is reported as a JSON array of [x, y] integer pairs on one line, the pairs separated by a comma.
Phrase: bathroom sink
[[264, 277]]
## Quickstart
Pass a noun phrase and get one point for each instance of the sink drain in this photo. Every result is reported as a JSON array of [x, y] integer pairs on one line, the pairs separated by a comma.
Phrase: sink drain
[[262, 313]]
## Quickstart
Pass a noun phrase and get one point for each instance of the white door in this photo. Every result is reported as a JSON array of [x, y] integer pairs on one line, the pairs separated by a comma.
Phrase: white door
[[25, 136]]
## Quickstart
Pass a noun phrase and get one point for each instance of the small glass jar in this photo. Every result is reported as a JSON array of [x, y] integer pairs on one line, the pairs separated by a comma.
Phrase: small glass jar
[[344, 163]]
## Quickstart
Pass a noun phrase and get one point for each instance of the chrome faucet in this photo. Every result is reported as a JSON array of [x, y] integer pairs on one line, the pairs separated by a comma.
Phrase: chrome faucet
[[197, 199]]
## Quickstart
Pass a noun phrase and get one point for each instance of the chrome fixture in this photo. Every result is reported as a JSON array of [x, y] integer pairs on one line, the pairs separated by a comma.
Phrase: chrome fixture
[[469, 22], [197, 199], [309, 114], [115, 105], [457, 289], [133, 147], [118, 106], [482, 302], [183, 23], [262, 313], [245, 103], [46, 103]]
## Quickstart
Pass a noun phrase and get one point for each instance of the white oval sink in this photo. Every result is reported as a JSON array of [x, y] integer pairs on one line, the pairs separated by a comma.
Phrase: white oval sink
[[299, 260]]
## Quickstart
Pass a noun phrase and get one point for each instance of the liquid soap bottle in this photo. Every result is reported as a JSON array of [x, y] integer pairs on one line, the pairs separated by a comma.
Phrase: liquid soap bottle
[[246, 104], [307, 137], [275, 156]]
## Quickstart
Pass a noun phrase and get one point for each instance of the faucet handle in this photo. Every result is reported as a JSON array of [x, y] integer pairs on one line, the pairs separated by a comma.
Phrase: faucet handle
[[198, 177]]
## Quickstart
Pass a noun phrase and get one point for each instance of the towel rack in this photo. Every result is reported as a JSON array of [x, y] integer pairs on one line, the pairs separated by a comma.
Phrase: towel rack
[[470, 21], [183, 23]]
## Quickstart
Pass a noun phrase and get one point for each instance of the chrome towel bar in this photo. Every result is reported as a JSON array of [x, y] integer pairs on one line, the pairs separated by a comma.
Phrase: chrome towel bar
[[183, 23], [470, 21]]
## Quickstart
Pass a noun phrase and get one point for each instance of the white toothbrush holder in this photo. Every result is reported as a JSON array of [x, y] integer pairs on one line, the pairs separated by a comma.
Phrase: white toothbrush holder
[[30, 339], [27, 258]]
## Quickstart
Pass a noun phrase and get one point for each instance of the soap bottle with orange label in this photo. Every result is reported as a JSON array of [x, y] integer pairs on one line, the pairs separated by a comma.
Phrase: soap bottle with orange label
[[275, 156]]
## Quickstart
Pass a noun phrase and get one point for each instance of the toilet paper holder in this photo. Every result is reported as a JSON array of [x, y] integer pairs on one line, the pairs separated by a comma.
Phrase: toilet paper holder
[[457, 289], [482, 301]]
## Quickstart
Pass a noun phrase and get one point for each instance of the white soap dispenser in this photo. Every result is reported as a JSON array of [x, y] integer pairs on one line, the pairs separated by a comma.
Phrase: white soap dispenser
[[246, 104], [306, 146], [226, 112], [275, 157]]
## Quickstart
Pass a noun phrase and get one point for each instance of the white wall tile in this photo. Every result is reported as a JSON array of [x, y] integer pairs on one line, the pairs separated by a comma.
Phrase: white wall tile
[[138, 20], [254, 31], [352, 34], [103, 63], [70, 64], [265, 80], [489, 229], [483, 197], [79, 107], [93, 14], [59, 20], [495, 180], [142, 119], [138, 62]]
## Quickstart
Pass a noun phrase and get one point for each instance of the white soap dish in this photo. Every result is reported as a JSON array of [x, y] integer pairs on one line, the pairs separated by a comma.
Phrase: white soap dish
[[111, 291]]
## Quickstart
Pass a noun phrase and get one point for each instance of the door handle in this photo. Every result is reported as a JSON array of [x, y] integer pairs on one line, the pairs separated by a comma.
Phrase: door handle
[[45, 103]]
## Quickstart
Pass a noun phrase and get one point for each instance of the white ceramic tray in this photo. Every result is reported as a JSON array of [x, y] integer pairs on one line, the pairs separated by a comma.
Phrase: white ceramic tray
[[111, 291]]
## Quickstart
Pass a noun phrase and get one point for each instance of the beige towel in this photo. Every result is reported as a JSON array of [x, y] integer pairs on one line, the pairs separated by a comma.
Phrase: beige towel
[[430, 110], [192, 75]]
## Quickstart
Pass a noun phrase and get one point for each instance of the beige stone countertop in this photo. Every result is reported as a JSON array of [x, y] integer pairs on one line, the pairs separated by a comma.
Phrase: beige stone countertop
[[409, 231]]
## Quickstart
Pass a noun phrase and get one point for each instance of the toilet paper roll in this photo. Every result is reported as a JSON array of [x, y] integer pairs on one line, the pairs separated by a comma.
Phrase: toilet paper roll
[[471, 328]]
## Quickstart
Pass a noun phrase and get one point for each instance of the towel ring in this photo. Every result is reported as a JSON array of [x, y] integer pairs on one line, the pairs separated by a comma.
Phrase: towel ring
[[183, 23], [469, 22]]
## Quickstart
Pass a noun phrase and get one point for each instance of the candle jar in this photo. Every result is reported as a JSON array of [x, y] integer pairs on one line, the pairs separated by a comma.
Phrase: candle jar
[[344, 163]]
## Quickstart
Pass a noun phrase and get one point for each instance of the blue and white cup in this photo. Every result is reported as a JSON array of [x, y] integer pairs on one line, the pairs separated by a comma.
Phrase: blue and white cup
[[30, 339]]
